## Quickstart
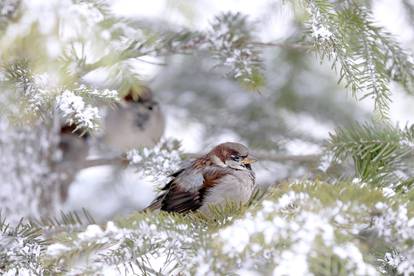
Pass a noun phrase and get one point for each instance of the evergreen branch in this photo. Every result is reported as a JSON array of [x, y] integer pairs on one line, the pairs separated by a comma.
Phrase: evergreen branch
[[21, 247], [378, 151], [101, 5], [284, 45], [131, 52], [313, 220], [19, 76], [349, 37], [229, 41], [114, 161], [67, 223]]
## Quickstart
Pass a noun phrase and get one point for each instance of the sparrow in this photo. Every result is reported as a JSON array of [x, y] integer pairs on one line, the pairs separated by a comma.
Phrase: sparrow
[[137, 121], [74, 148], [222, 175]]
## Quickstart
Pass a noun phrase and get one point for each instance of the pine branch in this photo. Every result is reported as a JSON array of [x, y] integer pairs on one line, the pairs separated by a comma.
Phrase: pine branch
[[114, 161], [379, 151], [347, 35], [313, 220], [21, 247], [65, 223]]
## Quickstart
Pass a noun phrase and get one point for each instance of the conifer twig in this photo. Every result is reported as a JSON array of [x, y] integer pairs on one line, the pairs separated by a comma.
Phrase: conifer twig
[[109, 161], [295, 46]]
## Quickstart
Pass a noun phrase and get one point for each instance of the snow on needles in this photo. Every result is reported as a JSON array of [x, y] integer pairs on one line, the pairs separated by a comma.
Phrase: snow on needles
[[158, 162], [290, 242], [289, 233], [319, 26], [75, 111], [397, 228]]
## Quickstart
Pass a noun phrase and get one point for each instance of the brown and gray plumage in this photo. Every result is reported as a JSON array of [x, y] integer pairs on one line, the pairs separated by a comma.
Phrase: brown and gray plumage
[[136, 122], [223, 175]]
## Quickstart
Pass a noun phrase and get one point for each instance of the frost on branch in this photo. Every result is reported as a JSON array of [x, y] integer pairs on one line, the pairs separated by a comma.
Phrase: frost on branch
[[75, 111], [32, 89], [105, 95], [397, 227], [159, 162], [366, 56], [149, 243], [229, 41], [305, 228], [319, 26], [286, 237], [21, 248]]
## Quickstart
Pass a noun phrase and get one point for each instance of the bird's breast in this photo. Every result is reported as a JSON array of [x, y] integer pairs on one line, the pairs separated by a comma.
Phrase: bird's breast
[[237, 187]]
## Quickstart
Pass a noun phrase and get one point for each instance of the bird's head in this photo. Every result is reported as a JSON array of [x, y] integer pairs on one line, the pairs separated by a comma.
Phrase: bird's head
[[144, 97], [232, 155]]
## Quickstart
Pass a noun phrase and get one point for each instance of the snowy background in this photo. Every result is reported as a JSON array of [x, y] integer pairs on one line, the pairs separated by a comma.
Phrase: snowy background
[[341, 178], [96, 190]]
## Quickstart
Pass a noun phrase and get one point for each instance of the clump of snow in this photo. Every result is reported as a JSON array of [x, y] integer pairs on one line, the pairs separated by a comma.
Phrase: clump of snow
[[92, 231], [388, 192], [101, 94], [319, 25], [56, 249], [134, 156], [321, 33], [19, 251], [299, 235], [397, 228], [116, 248], [106, 94], [75, 111]]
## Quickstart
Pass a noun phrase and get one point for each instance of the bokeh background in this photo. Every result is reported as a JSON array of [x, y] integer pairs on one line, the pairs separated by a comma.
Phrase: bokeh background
[[292, 114]]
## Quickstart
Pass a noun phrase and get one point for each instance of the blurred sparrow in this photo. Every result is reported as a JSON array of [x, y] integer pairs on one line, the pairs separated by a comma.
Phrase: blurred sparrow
[[74, 149], [223, 175], [136, 122]]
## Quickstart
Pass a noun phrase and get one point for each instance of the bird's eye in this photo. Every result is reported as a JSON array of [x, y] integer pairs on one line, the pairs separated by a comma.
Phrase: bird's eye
[[235, 158], [151, 105]]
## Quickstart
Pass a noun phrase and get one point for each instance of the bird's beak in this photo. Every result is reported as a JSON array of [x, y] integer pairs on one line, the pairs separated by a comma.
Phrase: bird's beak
[[248, 160]]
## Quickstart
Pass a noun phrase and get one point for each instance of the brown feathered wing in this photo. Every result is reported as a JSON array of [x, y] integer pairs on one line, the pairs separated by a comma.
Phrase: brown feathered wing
[[186, 191]]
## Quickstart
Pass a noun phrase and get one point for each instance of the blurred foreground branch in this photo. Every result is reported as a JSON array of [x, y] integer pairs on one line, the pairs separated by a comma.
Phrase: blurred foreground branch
[[111, 161]]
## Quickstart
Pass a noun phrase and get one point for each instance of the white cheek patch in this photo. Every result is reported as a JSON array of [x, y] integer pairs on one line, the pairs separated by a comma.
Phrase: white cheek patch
[[236, 165]]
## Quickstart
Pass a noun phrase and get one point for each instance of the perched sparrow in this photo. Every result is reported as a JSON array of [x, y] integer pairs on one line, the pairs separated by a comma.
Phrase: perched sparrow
[[74, 149], [222, 175], [136, 122]]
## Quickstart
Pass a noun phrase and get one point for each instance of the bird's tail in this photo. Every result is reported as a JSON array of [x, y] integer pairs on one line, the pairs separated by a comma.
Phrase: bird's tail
[[155, 205]]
